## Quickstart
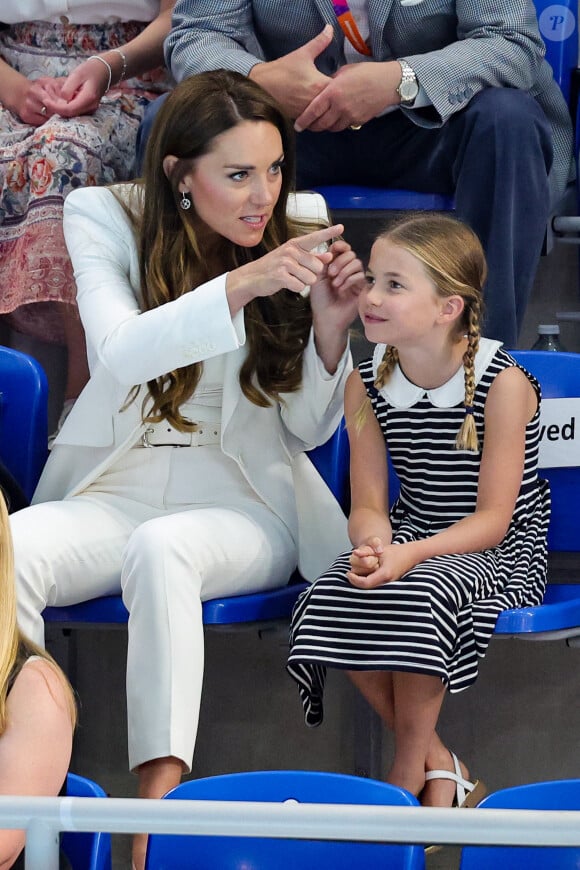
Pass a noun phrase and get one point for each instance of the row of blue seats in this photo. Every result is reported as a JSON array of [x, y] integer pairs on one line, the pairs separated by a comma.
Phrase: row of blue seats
[[557, 618], [173, 852], [23, 411]]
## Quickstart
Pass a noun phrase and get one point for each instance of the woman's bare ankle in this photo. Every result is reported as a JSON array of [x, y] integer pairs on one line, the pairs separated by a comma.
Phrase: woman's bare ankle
[[156, 778], [139, 851]]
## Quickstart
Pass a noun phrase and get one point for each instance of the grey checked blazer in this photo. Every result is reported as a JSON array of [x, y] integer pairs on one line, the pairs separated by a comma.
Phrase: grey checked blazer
[[456, 47]]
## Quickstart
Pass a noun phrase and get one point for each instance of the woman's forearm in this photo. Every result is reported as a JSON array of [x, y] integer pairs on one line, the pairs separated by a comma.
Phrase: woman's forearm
[[143, 53], [330, 347], [12, 83]]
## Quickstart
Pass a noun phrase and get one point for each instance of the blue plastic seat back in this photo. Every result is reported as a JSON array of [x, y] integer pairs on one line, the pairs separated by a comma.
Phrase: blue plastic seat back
[[561, 795], [332, 463], [86, 851], [357, 197], [23, 417], [243, 853], [559, 377]]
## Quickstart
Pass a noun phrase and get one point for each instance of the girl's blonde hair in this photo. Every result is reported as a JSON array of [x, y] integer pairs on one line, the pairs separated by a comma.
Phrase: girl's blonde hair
[[15, 648], [453, 258]]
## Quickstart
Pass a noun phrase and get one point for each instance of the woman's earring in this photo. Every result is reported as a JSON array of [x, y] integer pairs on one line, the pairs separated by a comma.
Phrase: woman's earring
[[185, 201]]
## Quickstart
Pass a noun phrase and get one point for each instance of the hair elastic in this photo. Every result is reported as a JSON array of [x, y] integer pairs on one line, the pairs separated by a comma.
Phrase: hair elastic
[[469, 409]]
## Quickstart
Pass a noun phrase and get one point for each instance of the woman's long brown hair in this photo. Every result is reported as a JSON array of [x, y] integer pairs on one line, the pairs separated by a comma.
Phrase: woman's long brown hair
[[172, 261]]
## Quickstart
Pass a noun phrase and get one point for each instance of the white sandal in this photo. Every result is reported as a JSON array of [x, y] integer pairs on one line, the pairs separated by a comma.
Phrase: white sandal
[[467, 793]]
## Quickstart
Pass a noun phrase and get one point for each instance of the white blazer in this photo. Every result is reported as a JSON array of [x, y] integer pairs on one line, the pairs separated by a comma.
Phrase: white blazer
[[128, 347]]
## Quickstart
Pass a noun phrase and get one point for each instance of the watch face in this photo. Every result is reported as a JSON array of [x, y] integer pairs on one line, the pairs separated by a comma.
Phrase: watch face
[[408, 90]]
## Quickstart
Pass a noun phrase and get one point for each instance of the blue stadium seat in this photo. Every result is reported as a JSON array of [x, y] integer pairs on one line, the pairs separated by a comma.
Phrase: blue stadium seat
[[555, 796], [86, 851], [23, 417], [559, 616], [166, 852]]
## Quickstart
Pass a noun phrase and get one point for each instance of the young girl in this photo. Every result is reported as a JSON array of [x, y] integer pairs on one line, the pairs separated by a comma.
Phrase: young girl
[[411, 609], [37, 709]]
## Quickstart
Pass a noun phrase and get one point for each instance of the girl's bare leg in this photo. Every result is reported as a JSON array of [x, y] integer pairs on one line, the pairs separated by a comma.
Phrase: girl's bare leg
[[156, 778], [377, 689], [417, 704]]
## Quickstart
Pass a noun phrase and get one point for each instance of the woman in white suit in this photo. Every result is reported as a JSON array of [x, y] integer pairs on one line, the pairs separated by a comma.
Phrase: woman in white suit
[[180, 474]]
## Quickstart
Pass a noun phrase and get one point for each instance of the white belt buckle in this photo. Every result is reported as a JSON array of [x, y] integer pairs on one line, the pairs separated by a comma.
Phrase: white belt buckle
[[207, 433]]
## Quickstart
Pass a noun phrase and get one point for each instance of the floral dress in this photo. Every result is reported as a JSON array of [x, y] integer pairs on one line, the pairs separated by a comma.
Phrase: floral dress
[[39, 166]]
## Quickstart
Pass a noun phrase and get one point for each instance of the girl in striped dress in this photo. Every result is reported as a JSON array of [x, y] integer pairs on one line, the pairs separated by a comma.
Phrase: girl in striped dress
[[410, 610]]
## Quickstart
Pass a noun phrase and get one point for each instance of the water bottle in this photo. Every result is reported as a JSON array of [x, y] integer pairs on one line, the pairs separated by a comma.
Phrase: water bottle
[[548, 337]]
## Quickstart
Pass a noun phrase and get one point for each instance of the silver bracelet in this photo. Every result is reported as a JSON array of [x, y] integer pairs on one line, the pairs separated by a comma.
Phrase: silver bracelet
[[124, 59], [107, 64]]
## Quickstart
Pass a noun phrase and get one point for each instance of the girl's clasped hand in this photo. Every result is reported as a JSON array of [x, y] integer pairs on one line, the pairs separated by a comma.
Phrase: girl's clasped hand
[[373, 563]]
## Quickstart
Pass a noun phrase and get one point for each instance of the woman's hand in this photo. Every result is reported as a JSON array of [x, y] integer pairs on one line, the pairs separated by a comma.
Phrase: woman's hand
[[32, 100], [374, 564], [293, 266], [82, 91]]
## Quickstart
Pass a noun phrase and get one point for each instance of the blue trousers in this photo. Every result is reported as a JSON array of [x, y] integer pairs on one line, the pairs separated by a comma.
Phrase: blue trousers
[[494, 156]]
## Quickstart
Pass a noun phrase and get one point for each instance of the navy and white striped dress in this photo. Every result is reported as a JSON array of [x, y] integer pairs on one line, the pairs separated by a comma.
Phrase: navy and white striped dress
[[438, 618]]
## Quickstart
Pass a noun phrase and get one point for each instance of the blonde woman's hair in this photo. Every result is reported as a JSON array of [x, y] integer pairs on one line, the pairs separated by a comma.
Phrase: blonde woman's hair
[[177, 254], [15, 648], [453, 258]]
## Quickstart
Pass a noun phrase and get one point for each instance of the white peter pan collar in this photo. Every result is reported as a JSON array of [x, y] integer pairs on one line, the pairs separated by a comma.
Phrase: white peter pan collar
[[402, 393]]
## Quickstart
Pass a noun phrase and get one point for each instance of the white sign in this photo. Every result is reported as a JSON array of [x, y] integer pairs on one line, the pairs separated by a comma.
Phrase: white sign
[[559, 433]]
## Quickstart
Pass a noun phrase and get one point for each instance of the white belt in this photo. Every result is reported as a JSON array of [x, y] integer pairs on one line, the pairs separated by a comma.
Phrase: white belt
[[164, 435]]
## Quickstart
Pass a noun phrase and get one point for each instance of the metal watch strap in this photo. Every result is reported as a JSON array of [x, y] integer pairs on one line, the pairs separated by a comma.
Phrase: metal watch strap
[[408, 78]]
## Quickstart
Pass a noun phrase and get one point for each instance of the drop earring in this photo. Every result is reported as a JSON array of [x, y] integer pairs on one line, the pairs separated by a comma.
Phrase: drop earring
[[185, 201]]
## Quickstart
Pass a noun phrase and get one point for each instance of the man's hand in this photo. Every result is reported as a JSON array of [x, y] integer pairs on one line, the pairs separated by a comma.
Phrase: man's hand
[[356, 94], [293, 80]]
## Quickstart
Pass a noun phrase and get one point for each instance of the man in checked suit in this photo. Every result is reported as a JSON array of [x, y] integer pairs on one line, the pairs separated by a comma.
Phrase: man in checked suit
[[447, 96]]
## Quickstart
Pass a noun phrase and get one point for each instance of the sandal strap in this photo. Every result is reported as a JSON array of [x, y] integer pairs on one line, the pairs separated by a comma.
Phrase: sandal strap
[[464, 786]]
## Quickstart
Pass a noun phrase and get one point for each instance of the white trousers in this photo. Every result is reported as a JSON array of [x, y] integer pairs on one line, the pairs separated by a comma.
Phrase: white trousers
[[131, 532]]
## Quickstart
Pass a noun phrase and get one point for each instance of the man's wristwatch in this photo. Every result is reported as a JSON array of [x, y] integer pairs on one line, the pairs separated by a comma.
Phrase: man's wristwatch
[[409, 86]]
